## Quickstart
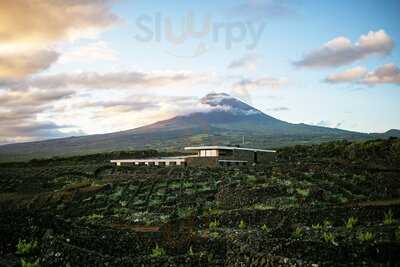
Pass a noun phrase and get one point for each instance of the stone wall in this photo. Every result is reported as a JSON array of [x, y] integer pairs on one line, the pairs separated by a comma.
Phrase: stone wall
[[202, 161], [265, 157]]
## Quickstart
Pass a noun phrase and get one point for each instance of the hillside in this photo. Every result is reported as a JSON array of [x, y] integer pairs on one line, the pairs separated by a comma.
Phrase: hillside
[[335, 204], [225, 122]]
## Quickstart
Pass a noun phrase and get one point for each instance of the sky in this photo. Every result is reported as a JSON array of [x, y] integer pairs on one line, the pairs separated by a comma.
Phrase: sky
[[71, 68]]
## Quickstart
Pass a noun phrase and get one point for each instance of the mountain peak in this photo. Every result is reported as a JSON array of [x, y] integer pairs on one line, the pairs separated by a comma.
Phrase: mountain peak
[[226, 102], [215, 99]]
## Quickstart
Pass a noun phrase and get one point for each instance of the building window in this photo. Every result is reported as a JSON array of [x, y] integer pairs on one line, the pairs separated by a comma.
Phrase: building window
[[226, 153], [212, 153]]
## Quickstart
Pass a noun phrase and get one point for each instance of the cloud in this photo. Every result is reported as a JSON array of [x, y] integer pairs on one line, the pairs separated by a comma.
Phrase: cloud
[[37, 22], [386, 74], [122, 105], [30, 31], [277, 109], [63, 98], [33, 97], [242, 88], [19, 65], [347, 76], [264, 9], [249, 62], [265, 82], [19, 112], [99, 50], [110, 80], [135, 103], [36, 129], [341, 51], [326, 123]]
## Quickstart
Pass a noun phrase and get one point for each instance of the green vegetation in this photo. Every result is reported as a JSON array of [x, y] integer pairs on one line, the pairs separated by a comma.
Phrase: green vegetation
[[317, 226], [26, 248], [26, 263], [329, 237], [213, 225], [397, 233], [242, 225], [389, 218], [266, 229], [327, 224], [298, 233], [303, 192], [365, 236], [158, 252], [351, 222], [94, 218], [214, 235], [190, 252]]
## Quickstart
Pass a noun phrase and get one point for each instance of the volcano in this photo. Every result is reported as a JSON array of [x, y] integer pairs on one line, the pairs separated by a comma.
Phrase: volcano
[[226, 121]]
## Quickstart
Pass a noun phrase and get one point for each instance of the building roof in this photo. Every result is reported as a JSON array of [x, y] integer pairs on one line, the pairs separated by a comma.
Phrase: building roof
[[227, 148], [152, 159]]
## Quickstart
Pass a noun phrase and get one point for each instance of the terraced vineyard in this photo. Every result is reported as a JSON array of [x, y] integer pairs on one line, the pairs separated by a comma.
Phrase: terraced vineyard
[[335, 204]]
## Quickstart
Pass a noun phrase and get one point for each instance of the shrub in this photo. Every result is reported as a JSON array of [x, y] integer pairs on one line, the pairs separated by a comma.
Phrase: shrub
[[261, 206], [185, 212], [187, 184], [214, 234], [329, 237], [158, 252], [389, 219], [251, 179], [298, 233], [351, 222], [213, 225], [164, 218], [317, 226], [26, 263], [397, 233], [303, 192], [327, 224], [190, 252], [213, 211], [242, 225], [94, 218], [26, 248], [265, 229], [365, 237]]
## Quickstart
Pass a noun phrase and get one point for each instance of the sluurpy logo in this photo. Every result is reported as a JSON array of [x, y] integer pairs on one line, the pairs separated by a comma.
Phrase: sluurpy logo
[[202, 33]]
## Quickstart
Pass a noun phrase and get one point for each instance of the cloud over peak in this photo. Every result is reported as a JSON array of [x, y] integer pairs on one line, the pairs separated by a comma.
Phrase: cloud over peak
[[341, 51]]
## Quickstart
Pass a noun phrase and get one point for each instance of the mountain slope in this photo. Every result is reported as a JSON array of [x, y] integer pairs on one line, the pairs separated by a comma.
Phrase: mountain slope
[[226, 121]]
